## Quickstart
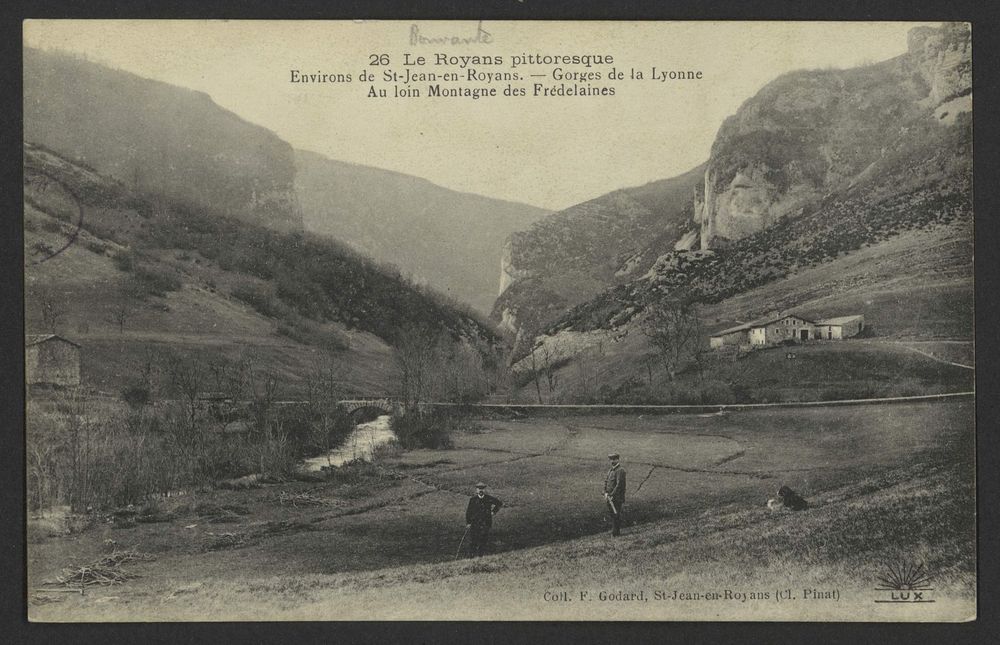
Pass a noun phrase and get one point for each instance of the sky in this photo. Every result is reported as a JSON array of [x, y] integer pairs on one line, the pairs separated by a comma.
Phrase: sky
[[548, 152]]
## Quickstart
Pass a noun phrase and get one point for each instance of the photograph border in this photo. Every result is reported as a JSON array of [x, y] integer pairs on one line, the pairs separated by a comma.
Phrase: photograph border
[[13, 596]]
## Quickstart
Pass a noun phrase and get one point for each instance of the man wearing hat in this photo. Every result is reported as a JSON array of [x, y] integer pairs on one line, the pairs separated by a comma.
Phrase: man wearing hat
[[479, 519], [614, 493]]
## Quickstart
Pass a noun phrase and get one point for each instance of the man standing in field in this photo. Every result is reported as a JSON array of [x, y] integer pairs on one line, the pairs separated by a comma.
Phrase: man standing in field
[[479, 519], [614, 493]]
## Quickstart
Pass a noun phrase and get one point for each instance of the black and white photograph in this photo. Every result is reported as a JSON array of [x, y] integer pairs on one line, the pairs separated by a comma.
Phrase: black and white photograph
[[481, 320]]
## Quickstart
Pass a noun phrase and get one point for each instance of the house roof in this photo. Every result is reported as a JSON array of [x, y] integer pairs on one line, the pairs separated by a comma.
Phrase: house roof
[[732, 330], [36, 339], [765, 323], [758, 323], [841, 320]]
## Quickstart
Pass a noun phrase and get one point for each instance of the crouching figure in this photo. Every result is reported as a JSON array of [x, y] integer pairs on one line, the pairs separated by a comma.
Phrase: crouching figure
[[787, 500]]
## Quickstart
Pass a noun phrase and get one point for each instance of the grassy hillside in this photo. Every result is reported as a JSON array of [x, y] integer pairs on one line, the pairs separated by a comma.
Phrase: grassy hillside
[[159, 138], [441, 237], [143, 274], [914, 289]]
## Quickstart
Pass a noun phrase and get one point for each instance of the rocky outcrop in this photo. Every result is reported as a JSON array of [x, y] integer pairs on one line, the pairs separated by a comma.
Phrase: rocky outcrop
[[944, 59], [509, 274], [571, 255], [808, 134]]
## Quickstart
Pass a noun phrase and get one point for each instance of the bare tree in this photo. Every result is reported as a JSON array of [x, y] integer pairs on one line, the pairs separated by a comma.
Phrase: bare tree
[[263, 387], [187, 377], [675, 329], [549, 369], [121, 311], [648, 361], [52, 308], [534, 375], [416, 348], [321, 397]]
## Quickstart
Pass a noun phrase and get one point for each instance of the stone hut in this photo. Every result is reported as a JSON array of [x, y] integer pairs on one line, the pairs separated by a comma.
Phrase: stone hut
[[51, 360]]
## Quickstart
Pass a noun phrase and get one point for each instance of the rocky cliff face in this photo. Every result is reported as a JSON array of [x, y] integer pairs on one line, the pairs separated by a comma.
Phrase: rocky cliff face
[[944, 59], [159, 139], [574, 254], [808, 134]]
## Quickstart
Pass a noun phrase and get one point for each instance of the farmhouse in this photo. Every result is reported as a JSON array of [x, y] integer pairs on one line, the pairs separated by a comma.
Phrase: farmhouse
[[789, 327], [837, 328], [772, 332], [737, 336], [51, 360]]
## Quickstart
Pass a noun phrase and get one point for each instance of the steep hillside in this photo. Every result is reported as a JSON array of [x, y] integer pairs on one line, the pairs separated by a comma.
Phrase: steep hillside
[[572, 255], [444, 238], [817, 164], [159, 138], [881, 224], [135, 278]]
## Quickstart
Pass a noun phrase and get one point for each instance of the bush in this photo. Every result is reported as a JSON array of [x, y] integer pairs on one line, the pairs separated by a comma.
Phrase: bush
[[157, 282], [260, 299], [51, 226], [95, 247], [423, 430], [110, 460], [125, 260], [309, 333], [136, 395], [314, 429]]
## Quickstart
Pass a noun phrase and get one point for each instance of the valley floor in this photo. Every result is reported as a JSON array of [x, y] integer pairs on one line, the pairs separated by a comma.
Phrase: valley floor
[[887, 485]]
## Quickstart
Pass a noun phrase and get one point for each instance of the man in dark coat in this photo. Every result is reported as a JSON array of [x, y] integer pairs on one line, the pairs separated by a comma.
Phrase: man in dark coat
[[614, 493], [479, 519]]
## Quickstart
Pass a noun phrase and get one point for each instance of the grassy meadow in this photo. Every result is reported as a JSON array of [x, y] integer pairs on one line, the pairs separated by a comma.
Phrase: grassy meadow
[[379, 540]]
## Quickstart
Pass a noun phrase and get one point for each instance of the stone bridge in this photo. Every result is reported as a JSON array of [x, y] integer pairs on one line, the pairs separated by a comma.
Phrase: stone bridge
[[385, 405]]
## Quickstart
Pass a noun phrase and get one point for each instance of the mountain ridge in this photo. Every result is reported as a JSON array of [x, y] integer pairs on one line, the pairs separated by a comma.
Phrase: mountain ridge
[[796, 180], [163, 139], [447, 238]]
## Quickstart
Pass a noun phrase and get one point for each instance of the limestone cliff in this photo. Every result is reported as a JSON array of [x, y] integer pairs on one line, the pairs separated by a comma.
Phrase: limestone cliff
[[944, 59], [809, 133]]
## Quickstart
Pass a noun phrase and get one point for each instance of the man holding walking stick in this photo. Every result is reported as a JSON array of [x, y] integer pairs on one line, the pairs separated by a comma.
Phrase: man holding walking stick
[[479, 519], [614, 493]]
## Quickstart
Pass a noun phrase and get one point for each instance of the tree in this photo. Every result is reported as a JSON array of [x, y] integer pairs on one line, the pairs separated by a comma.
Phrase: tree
[[187, 378], [52, 309], [675, 330], [121, 311], [534, 375], [416, 349], [550, 369]]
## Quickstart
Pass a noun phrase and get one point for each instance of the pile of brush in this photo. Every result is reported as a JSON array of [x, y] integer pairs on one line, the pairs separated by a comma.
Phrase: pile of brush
[[105, 571], [300, 499], [219, 541]]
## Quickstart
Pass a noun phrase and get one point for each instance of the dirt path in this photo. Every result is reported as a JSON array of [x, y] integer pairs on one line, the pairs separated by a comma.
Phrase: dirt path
[[935, 358]]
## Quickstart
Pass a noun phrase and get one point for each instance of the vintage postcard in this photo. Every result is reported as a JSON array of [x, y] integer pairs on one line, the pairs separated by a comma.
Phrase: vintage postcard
[[476, 320]]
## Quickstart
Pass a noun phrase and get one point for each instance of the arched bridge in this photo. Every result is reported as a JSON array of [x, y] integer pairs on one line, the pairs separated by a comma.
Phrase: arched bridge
[[385, 405]]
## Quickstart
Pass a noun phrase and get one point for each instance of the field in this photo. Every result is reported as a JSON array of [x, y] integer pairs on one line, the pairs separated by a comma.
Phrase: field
[[379, 541]]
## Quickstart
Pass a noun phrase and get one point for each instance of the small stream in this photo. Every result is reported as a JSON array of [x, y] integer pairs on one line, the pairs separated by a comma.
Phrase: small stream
[[359, 445]]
